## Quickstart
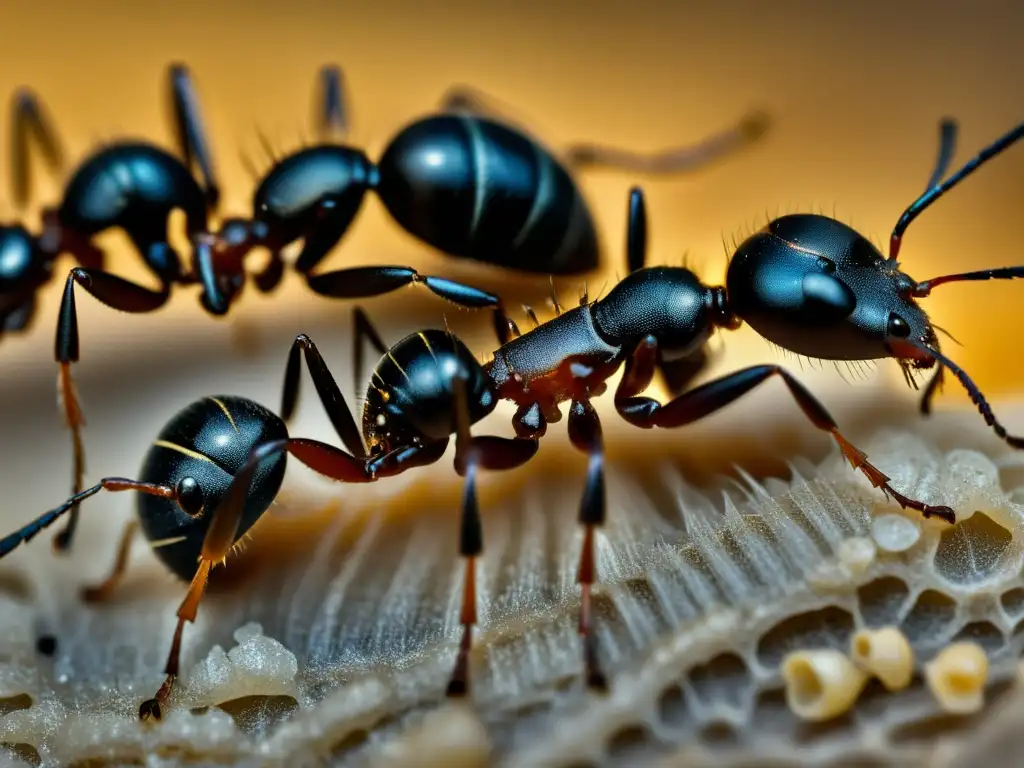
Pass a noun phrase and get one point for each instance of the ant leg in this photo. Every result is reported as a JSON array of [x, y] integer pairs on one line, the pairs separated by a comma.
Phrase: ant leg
[[947, 148], [636, 232], [103, 590], [54, 240], [471, 536], [707, 399], [585, 434], [220, 536], [679, 373], [326, 387], [471, 454], [29, 121], [365, 282], [114, 292], [267, 280], [19, 318], [364, 331], [676, 160], [468, 99], [190, 131], [330, 105], [332, 218]]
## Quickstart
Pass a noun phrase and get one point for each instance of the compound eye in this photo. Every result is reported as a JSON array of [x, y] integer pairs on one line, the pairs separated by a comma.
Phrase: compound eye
[[898, 327], [190, 496]]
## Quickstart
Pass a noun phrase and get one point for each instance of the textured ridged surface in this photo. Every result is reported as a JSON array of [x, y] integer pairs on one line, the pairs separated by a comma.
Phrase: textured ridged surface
[[699, 605]]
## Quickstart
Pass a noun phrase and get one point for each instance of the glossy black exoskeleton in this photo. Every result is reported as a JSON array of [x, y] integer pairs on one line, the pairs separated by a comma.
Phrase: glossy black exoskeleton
[[191, 509], [468, 185], [793, 283], [465, 182], [198, 453], [817, 287], [806, 282], [131, 185]]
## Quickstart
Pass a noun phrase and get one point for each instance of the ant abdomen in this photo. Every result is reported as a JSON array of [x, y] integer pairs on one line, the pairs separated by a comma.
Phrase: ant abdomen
[[475, 189]]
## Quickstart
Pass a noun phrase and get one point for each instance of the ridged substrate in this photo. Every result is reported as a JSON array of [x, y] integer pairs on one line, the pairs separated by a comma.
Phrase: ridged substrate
[[697, 609]]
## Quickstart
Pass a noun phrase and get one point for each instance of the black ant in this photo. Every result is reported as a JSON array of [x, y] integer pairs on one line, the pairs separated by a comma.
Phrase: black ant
[[201, 496], [465, 184], [465, 181], [130, 184]]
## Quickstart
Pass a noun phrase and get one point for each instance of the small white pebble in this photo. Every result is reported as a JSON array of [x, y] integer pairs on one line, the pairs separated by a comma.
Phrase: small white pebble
[[895, 533], [886, 654], [821, 684], [957, 678], [248, 631]]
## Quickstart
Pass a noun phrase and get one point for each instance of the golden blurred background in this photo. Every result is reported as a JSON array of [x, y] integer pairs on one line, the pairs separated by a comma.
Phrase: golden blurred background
[[855, 91]]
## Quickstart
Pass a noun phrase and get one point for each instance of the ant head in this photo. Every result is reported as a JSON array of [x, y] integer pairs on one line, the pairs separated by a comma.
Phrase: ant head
[[814, 286], [411, 398], [23, 263]]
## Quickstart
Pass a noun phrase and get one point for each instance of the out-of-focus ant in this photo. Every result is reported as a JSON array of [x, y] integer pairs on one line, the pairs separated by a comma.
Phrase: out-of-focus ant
[[809, 284], [129, 184], [465, 181]]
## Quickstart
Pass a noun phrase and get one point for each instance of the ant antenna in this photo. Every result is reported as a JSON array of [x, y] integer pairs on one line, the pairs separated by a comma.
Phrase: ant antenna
[[948, 130], [972, 389], [31, 122], [923, 289], [938, 190]]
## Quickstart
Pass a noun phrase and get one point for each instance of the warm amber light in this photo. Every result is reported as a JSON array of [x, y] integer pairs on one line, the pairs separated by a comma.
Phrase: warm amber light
[[856, 93]]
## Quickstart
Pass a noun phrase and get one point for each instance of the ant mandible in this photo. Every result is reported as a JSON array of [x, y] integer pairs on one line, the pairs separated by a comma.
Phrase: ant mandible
[[429, 386], [468, 185]]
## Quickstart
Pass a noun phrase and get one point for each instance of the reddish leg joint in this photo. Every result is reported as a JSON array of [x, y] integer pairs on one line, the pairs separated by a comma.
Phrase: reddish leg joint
[[586, 577], [859, 461], [152, 709], [459, 683]]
